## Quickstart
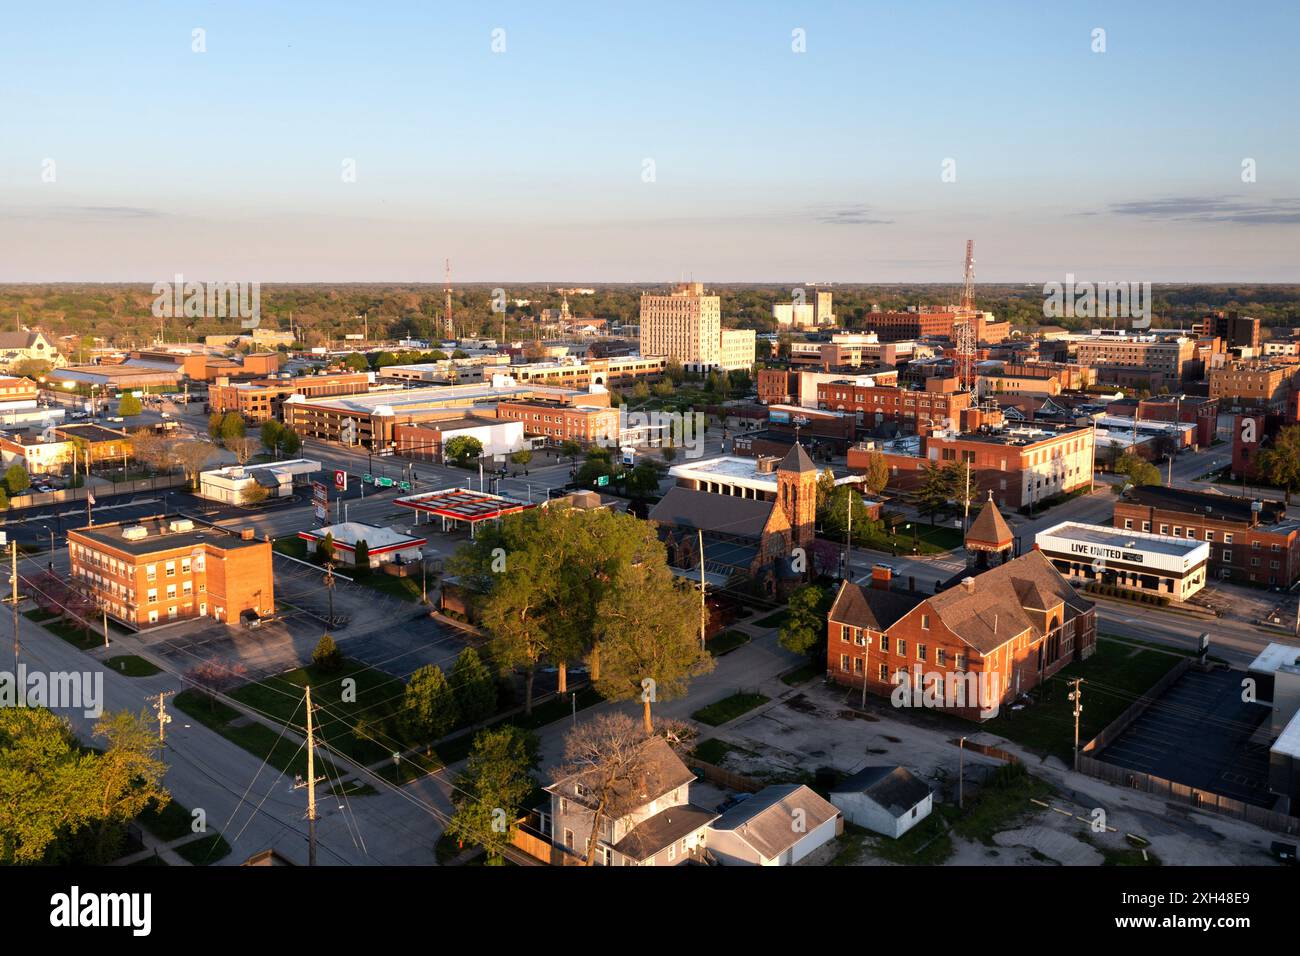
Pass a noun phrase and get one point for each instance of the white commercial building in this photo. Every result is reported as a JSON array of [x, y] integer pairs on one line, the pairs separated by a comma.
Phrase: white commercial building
[[229, 484], [1137, 560], [384, 545]]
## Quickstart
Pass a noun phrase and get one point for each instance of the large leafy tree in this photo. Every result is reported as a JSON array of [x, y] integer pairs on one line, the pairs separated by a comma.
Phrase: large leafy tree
[[428, 705], [935, 491], [58, 798], [490, 793], [462, 448], [474, 687], [804, 629], [1279, 463], [876, 476], [648, 626]]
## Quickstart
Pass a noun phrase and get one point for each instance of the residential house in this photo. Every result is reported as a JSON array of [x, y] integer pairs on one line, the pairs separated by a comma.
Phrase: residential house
[[778, 826]]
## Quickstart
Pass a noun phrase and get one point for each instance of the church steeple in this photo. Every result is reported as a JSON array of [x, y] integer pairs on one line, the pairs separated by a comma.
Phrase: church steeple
[[989, 540], [796, 478]]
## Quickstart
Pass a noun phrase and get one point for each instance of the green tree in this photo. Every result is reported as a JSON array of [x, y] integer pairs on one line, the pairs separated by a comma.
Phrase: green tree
[[17, 480], [327, 655], [877, 474], [428, 705], [232, 426], [271, 434], [825, 486], [474, 687], [648, 630], [643, 480], [462, 449], [214, 425], [936, 490], [357, 362], [1279, 463], [361, 555], [1137, 470], [804, 629], [326, 547], [570, 449], [490, 792], [253, 495], [522, 457], [129, 406]]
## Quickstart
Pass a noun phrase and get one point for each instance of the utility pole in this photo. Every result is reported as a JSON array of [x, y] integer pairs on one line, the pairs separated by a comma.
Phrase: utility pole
[[704, 613], [103, 607], [961, 772], [329, 587], [311, 784], [1076, 696], [965, 518], [866, 671], [164, 718], [13, 547], [848, 547]]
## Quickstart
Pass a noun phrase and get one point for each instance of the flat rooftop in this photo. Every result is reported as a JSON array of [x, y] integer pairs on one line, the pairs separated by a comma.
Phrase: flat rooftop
[[376, 537], [1274, 656], [1120, 538], [735, 470], [463, 504], [158, 536], [90, 432], [369, 404]]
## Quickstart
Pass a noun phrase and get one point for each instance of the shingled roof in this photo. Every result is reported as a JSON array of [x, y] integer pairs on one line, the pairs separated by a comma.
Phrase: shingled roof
[[765, 820], [990, 529], [896, 789], [708, 511], [796, 460], [992, 612], [871, 607], [661, 771]]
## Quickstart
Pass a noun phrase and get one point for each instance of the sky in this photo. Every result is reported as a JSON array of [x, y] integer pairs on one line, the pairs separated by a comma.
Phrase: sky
[[649, 141]]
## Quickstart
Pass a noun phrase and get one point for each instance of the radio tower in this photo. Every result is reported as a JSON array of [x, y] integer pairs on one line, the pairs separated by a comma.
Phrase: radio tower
[[964, 337], [449, 328]]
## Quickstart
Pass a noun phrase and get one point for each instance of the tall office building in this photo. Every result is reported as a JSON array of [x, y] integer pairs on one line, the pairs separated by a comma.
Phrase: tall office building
[[687, 326], [825, 314]]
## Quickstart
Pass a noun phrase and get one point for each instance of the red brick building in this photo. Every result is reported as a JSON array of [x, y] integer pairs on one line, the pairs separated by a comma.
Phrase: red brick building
[[914, 411], [581, 423], [1250, 541], [968, 649], [261, 400], [164, 569]]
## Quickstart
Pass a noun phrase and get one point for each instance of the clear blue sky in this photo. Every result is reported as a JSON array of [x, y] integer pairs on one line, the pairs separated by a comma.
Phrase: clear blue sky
[[769, 165]]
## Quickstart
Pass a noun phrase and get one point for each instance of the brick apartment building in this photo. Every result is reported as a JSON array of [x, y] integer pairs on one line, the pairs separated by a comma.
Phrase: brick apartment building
[[586, 424], [1019, 465], [17, 390], [1247, 543], [1236, 331], [1071, 375], [799, 386], [156, 570], [1009, 628], [262, 399], [97, 442], [937, 323], [939, 404], [1251, 384], [1135, 353]]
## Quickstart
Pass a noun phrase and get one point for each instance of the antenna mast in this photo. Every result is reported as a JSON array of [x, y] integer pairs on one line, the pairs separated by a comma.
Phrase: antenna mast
[[964, 333], [449, 329]]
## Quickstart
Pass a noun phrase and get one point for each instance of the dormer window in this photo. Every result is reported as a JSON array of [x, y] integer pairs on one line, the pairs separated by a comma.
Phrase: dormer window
[[579, 790]]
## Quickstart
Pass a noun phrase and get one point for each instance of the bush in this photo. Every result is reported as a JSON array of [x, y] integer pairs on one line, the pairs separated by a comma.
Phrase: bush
[[327, 655]]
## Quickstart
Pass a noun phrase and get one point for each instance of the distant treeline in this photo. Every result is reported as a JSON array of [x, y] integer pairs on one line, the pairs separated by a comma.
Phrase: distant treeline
[[320, 313]]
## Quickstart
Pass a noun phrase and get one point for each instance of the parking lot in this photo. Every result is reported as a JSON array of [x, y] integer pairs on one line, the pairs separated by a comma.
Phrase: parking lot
[[1199, 733]]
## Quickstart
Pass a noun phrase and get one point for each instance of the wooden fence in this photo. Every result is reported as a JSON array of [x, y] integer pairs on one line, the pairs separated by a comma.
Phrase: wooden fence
[[1192, 796], [724, 778], [1135, 710]]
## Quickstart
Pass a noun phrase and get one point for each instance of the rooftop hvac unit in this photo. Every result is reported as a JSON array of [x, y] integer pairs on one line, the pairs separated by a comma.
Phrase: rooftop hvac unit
[[135, 532], [180, 524]]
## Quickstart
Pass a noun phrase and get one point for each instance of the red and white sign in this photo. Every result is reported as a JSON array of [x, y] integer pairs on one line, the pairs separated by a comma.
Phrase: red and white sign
[[341, 481]]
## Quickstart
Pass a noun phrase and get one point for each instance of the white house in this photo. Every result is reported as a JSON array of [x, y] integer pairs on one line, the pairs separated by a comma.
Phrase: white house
[[384, 544], [888, 800], [778, 826]]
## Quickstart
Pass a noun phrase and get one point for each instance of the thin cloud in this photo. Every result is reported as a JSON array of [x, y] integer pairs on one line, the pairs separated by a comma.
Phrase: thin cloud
[[1213, 209], [851, 216]]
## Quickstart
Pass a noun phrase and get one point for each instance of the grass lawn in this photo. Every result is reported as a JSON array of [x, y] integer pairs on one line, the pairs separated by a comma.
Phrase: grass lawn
[[729, 708], [378, 698], [926, 844], [715, 751], [84, 638], [39, 615], [1048, 726], [205, 850], [1000, 804], [801, 674], [170, 823], [930, 539], [132, 666], [727, 641], [408, 589], [773, 620], [258, 739], [294, 547]]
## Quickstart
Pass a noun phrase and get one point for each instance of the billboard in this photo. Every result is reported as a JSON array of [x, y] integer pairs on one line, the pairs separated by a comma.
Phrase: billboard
[[320, 501]]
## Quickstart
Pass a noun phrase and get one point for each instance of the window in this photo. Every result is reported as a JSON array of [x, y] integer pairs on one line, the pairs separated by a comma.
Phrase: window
[[921, 652], [185, 566], [901, 647], [151, 596], [884, 643], [151, 572], [844, 633], [171, 569], [960, 662], [940, 656], [568, 838], [858, 667], [844, 662], [1209, 535], [1227, 555], [1128, 524], [1227, 537], [925, 622], [884, 672], [171, 592]]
